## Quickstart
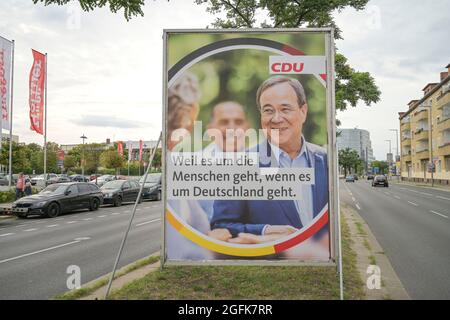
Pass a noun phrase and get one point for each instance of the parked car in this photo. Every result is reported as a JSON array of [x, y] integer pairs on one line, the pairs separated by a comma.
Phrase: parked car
[[380, 181], [152, 186], [118, 191], [40, 178], [104, 179], [79, 178], [370, 177], [59, 198], [93, 177], [4, 181], [59, 179], [355, 176], [350, 178]]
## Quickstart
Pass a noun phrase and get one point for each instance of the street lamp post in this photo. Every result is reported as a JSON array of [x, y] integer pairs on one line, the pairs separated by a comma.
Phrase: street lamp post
[[397, 158], [390, 152], [82, 156]]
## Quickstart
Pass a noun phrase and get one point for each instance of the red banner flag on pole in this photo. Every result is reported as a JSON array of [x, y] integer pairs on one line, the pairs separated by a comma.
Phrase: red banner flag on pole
[[140, 150], [120, 148], [36, 99]]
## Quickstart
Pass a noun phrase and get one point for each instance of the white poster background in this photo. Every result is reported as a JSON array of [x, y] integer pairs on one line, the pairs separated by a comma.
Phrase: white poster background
[[5, 79]]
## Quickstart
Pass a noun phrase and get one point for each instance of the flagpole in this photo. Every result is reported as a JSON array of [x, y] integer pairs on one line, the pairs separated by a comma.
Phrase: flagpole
[[11, 115], [45, 125]]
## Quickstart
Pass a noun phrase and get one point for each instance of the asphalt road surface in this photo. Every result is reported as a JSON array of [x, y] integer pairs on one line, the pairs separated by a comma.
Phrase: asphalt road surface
[[36, 252], [412, 224]]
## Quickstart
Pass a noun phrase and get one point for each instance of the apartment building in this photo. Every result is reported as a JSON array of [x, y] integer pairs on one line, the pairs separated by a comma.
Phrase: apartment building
[[425, 134]]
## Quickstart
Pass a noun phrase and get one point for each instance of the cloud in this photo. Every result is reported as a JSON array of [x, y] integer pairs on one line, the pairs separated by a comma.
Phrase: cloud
[[99, 120]]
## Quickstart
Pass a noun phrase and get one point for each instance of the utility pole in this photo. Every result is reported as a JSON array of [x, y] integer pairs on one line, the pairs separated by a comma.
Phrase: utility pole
[[397, 158], [389, 160]]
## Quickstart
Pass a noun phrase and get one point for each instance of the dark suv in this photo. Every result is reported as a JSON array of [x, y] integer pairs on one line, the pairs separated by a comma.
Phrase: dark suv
[[380, 181]]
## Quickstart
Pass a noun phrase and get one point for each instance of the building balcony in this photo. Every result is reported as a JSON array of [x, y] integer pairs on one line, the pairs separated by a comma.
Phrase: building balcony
[[405, 125], [406, 141], [421, 134], [444, 149], [421, 115], [422, 154], [406, 157], [443, 124]]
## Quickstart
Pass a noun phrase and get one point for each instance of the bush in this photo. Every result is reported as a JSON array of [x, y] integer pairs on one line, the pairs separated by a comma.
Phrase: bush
[[7, 196]]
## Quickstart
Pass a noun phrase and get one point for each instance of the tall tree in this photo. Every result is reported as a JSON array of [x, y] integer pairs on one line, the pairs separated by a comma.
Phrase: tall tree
[[112, 160], [348, 159], [130, 7], [351, 86]]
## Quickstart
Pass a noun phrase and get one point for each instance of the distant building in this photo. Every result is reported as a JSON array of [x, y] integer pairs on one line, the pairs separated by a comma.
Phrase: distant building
[[5, 138], [425, 134], [358, 140]]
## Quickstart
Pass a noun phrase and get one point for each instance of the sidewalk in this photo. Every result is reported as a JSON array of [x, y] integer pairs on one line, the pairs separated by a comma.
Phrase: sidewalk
[[369, 252], [423, 185]]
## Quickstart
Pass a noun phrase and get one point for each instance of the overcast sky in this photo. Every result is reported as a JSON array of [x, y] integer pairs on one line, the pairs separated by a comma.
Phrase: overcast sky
[[104, 74]]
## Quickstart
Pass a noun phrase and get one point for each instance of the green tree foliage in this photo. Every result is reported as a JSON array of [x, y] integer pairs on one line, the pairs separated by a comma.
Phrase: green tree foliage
[[351, 86], [382, 165], [91, 153], [130, 7], [70, 162], [349, 159], [112, 160]]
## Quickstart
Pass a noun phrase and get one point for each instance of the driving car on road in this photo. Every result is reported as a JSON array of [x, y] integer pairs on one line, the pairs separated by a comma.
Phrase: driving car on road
[[59, 198], [380, 181], [370, 177], [350, 178], [118, 191], [152, 187]]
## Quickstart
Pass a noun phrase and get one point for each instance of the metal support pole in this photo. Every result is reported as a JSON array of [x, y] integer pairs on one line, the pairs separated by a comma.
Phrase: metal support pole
[[131, 220], [45, 124]]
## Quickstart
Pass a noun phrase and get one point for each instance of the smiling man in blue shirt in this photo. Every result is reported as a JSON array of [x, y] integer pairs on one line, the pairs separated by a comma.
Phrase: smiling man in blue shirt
[[283, 107]]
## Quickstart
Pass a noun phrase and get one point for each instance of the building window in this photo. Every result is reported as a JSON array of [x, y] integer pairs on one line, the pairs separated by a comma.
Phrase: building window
[[447, 163]]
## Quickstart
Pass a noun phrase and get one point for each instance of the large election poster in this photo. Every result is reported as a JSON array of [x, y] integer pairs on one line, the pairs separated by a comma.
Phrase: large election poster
[[249, 147]]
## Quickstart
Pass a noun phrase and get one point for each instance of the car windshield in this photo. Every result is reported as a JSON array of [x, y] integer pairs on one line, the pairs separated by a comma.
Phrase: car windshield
[[104, 177], [152, 178], [54, 189], [116, 184]]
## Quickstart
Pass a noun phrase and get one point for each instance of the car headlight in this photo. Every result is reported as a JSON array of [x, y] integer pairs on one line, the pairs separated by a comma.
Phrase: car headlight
[[40, 204]]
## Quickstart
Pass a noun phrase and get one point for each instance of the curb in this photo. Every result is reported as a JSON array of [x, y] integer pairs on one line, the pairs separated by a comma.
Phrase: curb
[[369, 252], [122, 280], [439, 188]]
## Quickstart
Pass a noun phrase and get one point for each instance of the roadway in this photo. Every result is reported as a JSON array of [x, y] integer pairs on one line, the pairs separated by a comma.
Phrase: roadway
[[35, 252], [412, 224]]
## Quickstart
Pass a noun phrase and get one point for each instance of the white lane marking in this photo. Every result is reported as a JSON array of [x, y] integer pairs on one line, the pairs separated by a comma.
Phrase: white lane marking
[[52, 225], [126, 211], [155, 206], [439, 214], [397, 197], [138, 209], [427, 194], [43, 250], [70, 222], [440, 197], [59, 219], [7, 234], [29, 230], [87, 219], [115, 213], [102, 216], [147, 222], [387, 193], [357, 206], [414, 204], [353, 198]]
